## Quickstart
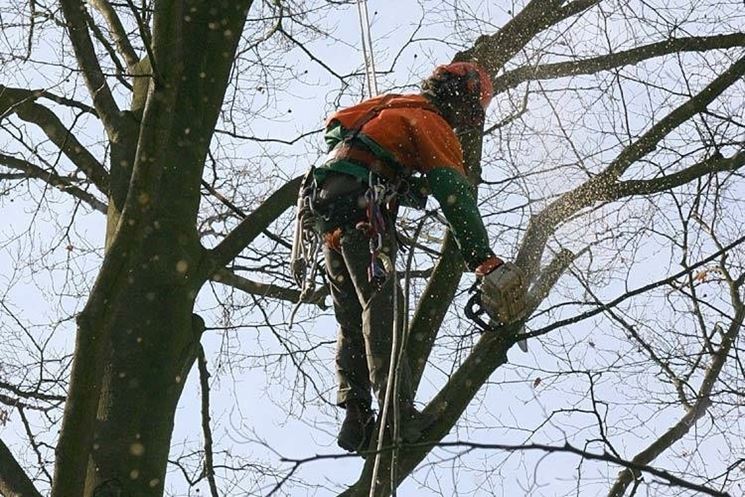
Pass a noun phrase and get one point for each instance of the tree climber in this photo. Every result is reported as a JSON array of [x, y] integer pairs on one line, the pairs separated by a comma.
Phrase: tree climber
[[375, 150]]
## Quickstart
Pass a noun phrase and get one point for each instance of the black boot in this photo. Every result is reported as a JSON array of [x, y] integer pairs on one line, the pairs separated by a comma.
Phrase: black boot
[[358, 427]]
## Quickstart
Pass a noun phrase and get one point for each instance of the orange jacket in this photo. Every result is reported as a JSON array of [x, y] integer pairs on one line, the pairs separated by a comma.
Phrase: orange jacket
[[409, 128]]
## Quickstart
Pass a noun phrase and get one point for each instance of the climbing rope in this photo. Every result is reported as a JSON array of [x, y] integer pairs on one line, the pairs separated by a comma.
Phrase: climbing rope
[[397, 356], [367, 48], [402, 356], [375, 219], [388, 393]]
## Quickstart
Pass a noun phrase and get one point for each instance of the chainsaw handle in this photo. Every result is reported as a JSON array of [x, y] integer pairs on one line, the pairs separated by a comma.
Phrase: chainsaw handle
[[474, 310]]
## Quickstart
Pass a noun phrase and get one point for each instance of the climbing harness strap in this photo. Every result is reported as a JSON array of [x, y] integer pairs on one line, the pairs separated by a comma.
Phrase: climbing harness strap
[[356, 153], [367, 159], [368, 116]]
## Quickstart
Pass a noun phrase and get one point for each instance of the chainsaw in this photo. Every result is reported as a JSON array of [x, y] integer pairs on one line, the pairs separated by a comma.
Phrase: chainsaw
[[499, 299]]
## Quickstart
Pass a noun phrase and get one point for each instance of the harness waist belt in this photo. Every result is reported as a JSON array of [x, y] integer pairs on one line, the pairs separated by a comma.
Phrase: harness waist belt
[[364, 158]]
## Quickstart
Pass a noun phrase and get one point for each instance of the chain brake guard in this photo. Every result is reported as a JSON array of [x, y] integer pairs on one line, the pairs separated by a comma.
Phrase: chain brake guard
[[475, 310]]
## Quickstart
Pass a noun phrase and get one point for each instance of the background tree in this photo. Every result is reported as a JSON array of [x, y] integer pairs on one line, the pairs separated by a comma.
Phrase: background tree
[[610, 166]]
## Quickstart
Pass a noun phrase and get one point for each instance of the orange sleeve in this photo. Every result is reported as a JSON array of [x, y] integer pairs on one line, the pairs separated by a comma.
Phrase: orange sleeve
[[436, 144]]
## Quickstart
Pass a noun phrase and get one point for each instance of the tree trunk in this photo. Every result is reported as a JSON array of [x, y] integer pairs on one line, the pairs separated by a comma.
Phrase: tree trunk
[[155, 337], [149, 344]]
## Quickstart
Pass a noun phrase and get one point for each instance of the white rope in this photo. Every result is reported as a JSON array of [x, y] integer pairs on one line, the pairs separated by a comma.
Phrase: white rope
[[392, 370], [367, 48], [404, 333], [397, 357]]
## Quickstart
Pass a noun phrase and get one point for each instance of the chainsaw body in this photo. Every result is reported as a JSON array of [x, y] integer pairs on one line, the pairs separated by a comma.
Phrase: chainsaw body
[[499, 299]]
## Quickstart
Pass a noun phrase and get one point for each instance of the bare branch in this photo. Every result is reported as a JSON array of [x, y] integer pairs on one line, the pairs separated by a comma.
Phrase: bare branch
[[118, 33], [493, 51], [68, 102], [253, 225], [63, 184], [632, 56], [103, 40], [549, 276], [227, 277], [649, 140], [312, 57], [714, 164], [603, 186], [75, 14], [31, 395], [148, 42], [23, 104], [567, 448], [694, 412], [633, 293], [291, 141], [209, 465], [631, 465]]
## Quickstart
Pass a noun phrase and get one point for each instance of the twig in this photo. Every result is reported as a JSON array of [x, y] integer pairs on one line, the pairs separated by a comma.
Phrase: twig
[[204, 375]]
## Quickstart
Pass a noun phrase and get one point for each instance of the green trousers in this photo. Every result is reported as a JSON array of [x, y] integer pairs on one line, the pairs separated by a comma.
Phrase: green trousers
[[364, 312]]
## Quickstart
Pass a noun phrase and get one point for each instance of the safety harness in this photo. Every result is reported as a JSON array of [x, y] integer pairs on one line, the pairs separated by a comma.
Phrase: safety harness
[[359, 156]]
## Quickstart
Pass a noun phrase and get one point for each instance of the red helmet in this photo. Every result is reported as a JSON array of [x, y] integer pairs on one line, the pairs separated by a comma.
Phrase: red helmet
[[477, 79]]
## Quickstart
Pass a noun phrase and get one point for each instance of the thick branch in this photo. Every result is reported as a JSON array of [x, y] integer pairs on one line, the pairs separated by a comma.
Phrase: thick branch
[[14, 482], [119, 35], [649, 140], [548, 278], [493, 51], [632, 56], [433, 307], [714, 164], [22, 103], [64, 184], [253, 225], [75, 14], [604, 185]]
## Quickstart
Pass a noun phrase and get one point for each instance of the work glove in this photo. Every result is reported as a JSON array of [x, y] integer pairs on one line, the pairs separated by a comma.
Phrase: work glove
[[503, 290]]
